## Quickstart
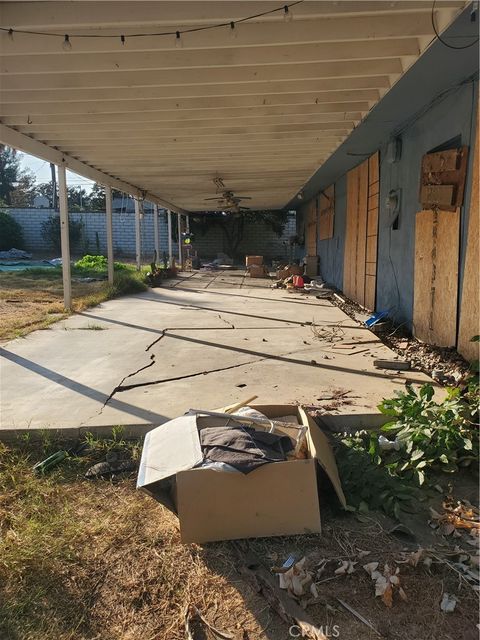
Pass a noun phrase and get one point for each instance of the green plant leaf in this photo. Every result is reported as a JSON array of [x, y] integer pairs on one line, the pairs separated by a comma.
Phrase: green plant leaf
[[416, 455]]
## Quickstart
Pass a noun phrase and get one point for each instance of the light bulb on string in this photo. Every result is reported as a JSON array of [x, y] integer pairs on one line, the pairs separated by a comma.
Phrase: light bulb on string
[[10, 34], [287, 14], [122, 39], [233, 30], [178, 40], [67, 45]]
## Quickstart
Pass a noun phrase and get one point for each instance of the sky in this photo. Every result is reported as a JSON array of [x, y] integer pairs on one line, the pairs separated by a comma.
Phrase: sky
[[41, 169]]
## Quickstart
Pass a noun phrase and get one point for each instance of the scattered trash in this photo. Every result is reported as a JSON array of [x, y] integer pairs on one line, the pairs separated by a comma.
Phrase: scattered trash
[[399, 365], [15, 254], [194, 618], [346, 567], [56, 458], [110, 468], [297, 580], [358, 616], [448, 603], [385, 583], [388, 445], [376, 317]]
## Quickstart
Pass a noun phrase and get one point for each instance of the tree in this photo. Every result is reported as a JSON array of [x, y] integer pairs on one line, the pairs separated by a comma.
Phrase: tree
[[9, 172], [11, 234], [17, 185], [232, 225], [45, 189], [77, 199], [25, 190], [96, 198]]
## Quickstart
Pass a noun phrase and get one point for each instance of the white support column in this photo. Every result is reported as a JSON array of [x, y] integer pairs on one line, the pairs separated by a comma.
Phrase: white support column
[[187, 218], [64, 237], [170, 249], [156, 237], [138, 246], [109, 224], [180, 265]]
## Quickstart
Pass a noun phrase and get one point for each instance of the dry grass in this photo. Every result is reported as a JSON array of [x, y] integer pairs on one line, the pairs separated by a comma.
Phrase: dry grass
[[32, 300], [83, 560]]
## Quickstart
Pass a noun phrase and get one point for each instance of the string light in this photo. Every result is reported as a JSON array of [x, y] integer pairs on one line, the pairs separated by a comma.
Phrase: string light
[[233, 31], [287, 14]]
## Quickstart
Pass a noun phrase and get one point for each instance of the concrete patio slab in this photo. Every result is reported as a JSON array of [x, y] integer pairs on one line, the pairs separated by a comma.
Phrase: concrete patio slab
[[203, 340]]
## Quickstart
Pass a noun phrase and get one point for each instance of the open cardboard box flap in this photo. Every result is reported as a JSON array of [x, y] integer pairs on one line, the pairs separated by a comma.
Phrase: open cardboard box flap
[[318, 443]]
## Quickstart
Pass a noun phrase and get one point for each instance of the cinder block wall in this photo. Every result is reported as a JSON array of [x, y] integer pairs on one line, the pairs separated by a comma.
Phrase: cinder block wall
[[258, 238]]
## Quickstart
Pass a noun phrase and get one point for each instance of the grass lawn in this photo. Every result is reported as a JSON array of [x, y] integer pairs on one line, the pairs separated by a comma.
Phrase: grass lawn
[[33, 299], [97, 560]]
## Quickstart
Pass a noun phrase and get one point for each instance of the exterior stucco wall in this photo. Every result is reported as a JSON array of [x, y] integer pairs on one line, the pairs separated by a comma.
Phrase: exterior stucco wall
[[451, 117]]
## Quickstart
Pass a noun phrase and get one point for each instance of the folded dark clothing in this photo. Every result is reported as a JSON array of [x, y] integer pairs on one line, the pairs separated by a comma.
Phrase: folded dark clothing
[[244, 448]]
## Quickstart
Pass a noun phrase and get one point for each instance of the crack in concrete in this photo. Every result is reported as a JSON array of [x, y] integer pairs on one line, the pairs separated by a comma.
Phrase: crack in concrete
[[189, 375]]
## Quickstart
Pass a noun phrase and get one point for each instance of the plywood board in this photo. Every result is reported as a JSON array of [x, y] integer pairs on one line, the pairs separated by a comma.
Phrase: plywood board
[[326, 212], [436, 277], [469, 301], [360, 257], [361, 233], [441, 171], [311, 228], [350, 233]]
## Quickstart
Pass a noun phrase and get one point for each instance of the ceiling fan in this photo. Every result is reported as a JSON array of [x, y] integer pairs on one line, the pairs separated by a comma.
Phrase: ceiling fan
[[228, 200]]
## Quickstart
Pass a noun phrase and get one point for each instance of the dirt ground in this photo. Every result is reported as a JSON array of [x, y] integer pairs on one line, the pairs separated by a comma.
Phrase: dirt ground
[[34, 301], [85, 560]]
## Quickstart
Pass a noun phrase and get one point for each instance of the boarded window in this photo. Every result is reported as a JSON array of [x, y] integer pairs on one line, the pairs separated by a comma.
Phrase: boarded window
[[360, 259], [326, 213]]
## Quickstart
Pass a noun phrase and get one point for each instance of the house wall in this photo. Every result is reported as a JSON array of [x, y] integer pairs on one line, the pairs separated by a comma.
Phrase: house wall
[[450, 116], [258, 238]]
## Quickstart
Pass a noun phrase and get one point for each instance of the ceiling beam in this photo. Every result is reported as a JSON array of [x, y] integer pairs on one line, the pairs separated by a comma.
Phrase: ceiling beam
[[329, 120], [171, 77], [191, 104], [273, 32], [196, 91], [55, 15], [181, 59], [181, 115], [16, 140]]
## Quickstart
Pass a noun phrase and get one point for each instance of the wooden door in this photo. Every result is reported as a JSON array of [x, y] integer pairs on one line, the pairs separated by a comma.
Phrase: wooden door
[[360, 258]]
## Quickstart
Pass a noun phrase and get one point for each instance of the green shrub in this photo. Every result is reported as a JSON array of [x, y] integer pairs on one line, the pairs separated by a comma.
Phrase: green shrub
[[128, 282], [11, 233], [99, 263], [50, 230]]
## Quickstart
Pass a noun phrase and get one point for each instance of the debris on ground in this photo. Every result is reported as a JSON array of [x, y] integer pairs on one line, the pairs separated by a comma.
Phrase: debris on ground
[[194, 619], [448, 603], [396, 365], [15, 254], [449, 366]]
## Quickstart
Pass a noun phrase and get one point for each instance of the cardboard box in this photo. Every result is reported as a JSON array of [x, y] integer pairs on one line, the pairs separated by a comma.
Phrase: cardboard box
[[276, 499], [290, 270], [250, 260], [257, 271]]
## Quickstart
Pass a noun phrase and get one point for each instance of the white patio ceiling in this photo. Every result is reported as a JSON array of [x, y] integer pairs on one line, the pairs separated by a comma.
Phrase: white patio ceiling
[[262, 110]]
